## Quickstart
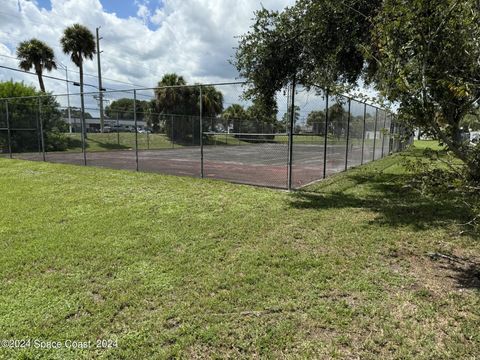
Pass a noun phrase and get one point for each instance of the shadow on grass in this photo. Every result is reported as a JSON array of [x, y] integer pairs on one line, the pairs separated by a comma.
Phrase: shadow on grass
[[77, 144], [109, 146], [466, 276], [396, 204]]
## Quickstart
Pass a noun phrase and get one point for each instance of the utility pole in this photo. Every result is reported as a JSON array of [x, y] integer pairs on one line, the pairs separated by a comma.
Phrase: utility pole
[[100, 89], [68, 101]]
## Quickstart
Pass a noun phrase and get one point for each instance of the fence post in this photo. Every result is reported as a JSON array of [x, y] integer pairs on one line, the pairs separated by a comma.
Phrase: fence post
[[226, 131], [364, 129], [38, 132], [84, 127], [8, 130], [42, 139], [82, 137], [348, 133], [392, 134], [383, 130], [326, 136], [136, 128], [118, 130], [201, 133], [290, 136], [375, 133], [172, 124], [239, 130]]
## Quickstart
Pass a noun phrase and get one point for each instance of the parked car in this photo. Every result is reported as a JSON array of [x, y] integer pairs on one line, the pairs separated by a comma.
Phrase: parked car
[[119, 128]]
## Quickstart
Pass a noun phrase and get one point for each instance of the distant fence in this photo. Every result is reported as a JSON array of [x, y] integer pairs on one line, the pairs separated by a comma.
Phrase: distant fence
[[206, 131]]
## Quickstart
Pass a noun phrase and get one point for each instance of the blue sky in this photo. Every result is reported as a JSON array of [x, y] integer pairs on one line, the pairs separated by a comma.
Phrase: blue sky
[[142, 40], [122, 8]]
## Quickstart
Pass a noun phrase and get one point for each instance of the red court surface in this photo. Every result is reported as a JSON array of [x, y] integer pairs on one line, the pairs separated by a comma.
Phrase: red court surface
[[256, 164]]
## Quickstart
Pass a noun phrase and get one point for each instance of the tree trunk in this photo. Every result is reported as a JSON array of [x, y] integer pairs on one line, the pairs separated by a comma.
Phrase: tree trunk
[[460, 151], [457, 135], [40, 81]]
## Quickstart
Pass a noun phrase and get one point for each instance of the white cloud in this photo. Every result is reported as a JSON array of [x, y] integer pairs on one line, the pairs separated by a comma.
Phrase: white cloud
[[194, 38], [143, 11]]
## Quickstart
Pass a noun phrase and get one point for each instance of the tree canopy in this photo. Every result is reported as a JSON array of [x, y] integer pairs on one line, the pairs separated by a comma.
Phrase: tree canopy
[[123, 109], [421, 54], [78, 41], [35, 53], [178, 108], [26, 112], [75, 113]]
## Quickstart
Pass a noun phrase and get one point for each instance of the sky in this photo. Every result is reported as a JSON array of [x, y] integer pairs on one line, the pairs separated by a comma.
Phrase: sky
[[142, 39]]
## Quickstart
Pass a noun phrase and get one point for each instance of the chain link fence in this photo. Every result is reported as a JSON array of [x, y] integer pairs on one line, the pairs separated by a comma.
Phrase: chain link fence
[[207, 131]]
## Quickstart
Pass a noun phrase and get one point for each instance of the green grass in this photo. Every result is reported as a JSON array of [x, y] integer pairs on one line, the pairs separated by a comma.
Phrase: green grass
[[119, 141], [189, 268], [226, 139], [124, 141], [428, 144]]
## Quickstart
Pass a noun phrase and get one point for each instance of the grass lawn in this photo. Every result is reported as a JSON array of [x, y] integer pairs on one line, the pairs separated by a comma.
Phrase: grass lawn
[[179, 267], [124, 140], [303, 139], [431, 144], [119, 141]]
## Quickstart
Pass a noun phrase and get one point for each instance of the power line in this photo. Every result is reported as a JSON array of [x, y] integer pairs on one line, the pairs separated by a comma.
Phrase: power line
[[106, 78], [138, 64], [69, 81], [8, 56], [46, 76], [87, 74]]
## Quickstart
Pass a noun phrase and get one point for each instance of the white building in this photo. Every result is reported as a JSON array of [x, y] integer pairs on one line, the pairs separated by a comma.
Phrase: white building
[[93, 125]]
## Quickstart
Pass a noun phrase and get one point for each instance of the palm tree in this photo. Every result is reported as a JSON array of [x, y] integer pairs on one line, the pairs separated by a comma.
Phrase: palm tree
[[176, 106], [212, 105], [35, 53], [79, 42], [234, 114], [212, 101], [171, 95]]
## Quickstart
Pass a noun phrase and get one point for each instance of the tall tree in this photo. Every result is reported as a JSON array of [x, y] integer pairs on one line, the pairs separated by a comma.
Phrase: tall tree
[[212, 101], [432, 68], [286, 116], [179, 107], [421, 54], [22, 113], [316, 119], [171, 92], [35, 53], [212, 105], [234, 114], [79, 43], [234, 111], [337, 120], [75, 113], [123, 109], [173, 98]]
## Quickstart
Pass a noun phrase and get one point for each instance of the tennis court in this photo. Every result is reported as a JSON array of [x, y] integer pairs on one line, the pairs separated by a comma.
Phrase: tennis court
[[330, 134], [264, 164]]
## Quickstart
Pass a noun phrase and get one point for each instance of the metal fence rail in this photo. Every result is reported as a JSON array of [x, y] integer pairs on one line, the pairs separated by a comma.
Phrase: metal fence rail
[[207, 131]]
